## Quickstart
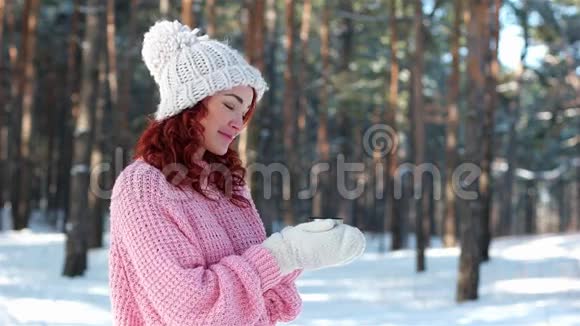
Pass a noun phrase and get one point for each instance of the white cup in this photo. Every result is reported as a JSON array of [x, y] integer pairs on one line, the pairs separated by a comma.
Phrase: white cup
[[337, 220]]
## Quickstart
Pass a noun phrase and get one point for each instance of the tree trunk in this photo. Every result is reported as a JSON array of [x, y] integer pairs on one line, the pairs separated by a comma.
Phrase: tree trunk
[[345, 206], [450, 218], [506, 220], [268, 207], [253, 24], [405, 208], [76, 227], [320, 200], [574, 224], [247, 24], [53, 124], [344, 121], [468, 281], [560, 198], [113, 85], [211, 17], [289, 112], [302, 147], [304, 37], [359, 204], [127, 68], [68, 114], [566, 205], [22, 173], [112, 57], [259, 38], [530, 207], [187, 16], [164, 9], [429, 204], [3, 110], [487, 185], [376, 182], [418, 133], [2, 68], [8, 130], [392, 213], [575, 214], [96, 201]]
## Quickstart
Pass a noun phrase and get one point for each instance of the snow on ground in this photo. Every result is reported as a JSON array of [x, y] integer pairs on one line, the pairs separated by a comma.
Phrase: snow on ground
[[530, 281]]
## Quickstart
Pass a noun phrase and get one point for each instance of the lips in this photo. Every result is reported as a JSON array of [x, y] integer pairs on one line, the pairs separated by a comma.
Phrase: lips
[[228, 136]]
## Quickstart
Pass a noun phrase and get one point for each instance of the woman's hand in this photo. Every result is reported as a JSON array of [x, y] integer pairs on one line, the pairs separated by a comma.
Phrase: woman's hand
[[315, 245]]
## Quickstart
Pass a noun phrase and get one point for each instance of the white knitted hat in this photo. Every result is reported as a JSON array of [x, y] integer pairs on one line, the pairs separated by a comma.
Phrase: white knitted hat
[[188, 67]]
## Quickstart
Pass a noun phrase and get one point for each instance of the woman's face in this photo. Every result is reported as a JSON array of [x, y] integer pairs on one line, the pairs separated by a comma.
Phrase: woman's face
[[224, 121]]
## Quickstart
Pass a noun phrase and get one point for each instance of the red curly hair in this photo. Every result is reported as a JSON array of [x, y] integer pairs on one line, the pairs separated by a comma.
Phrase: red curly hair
[[176, 139]]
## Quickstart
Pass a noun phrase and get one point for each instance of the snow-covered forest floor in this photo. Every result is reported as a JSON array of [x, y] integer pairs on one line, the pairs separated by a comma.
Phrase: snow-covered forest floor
[[531, 280]]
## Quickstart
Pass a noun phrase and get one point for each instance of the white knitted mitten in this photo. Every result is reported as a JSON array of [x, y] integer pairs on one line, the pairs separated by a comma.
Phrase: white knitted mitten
[[315, 245]]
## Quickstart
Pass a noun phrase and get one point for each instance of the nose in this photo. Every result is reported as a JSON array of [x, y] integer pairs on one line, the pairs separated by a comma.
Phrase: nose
[[237, 122]]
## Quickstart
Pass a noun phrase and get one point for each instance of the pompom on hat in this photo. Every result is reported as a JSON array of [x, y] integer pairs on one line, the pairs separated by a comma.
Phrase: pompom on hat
[[188, 67]]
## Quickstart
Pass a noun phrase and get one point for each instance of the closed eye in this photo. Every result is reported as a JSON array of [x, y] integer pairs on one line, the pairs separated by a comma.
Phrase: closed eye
[[229, 106]]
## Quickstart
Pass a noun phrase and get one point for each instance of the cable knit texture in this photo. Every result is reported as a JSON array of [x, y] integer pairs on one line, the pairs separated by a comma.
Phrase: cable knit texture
[[188, 67], [178, 258]]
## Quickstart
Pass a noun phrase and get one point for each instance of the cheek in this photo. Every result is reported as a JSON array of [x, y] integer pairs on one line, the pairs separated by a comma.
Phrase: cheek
[[206, 130], [214, 117], [208, 122], [210, 131], [219, 115]]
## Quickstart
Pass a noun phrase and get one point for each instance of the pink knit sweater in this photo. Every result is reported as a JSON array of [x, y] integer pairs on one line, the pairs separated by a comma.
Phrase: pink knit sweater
[[177, 258]]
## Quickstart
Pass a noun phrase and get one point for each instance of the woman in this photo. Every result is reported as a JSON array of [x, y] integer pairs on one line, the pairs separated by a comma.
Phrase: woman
[[187, 244]]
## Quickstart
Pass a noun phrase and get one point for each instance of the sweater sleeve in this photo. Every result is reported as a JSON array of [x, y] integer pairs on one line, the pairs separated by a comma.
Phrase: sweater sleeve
[[283, 301], [170, 269]]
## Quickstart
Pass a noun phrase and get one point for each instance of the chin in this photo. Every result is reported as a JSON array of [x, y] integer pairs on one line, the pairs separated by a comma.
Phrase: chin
[[219, 151]]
